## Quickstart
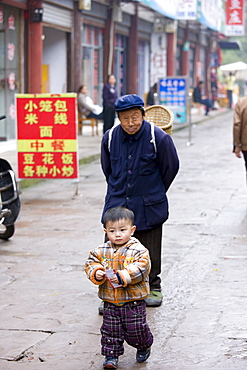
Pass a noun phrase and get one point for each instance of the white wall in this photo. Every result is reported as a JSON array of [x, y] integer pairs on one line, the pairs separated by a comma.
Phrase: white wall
[[54, 55]]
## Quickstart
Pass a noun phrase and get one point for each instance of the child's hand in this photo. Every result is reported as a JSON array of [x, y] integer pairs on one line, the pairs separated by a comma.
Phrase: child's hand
[[100, 274], [114, 279]]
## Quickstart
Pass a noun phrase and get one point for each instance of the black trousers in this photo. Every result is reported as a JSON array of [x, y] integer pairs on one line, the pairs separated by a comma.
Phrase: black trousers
[[208, 104], [229, 96], [151, 239], [109, 117], [245, 159]]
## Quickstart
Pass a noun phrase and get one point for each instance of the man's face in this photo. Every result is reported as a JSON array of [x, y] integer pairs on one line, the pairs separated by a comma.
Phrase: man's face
[[131, 120]]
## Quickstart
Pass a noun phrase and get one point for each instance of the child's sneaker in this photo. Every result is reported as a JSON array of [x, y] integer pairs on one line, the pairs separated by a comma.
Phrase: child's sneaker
[[142, 356], [110, 363]]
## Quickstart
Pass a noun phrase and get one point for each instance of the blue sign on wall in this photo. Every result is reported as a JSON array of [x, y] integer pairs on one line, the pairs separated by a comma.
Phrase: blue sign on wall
[[172, 94]]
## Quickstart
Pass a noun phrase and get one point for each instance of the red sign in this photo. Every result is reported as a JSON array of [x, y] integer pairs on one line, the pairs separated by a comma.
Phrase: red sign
[[47, 136], [235, 17]]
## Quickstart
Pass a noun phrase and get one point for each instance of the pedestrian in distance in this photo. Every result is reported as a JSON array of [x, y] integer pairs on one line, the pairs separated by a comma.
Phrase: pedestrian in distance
[[199, 98], [86, 105], [240, 130], [139, 161], [120, 268], [109, 98], [230, 81], [214, 86], [152, 97]]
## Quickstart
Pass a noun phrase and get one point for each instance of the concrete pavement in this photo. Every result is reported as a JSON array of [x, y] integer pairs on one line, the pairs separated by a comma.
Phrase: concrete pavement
[[48, 308]]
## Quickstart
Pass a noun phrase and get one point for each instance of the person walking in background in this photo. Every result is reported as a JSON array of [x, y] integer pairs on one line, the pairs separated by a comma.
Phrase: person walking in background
[[240, 130], [152, 98], [230, 81], [86, 105], [214, 86], [139, 161], [120, 268], [198, 98], [109, 98]]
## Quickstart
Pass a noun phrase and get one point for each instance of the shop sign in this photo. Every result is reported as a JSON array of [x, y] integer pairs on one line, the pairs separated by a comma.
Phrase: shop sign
[[235, 25], [186, 46], [172, 94], [186, 9], [165, 7], [211, 14], [47, 136]]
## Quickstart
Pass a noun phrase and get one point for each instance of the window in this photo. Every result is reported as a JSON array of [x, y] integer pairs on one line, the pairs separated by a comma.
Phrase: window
[[92, 62]]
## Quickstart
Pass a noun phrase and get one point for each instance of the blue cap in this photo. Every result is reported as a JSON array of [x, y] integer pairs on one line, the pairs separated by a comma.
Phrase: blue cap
[[128, 102]]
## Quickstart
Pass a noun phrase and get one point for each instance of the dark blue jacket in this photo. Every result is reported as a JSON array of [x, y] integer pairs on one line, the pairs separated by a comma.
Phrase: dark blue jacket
[[137, 176], [197, 95], [109, 95]]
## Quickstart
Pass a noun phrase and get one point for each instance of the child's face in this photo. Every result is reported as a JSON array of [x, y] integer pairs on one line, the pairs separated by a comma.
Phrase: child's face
[[119, 232]]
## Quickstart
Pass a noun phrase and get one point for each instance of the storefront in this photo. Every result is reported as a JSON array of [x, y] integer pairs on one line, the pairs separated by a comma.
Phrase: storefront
[[102, 30], [57, 28]]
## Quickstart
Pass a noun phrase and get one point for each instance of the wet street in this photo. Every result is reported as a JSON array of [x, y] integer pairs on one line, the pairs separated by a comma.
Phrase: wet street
[[49, 310]]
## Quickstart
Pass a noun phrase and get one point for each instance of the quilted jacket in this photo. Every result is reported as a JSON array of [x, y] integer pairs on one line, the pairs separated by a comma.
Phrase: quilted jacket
[[131, 261]]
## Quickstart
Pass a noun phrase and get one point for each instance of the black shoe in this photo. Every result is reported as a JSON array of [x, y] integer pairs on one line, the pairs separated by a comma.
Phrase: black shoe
[[206, 114], [142, 356], [110, 363], [214, 108]]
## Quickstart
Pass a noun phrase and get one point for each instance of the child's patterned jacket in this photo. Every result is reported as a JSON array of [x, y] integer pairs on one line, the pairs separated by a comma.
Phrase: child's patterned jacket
[[131, 261]]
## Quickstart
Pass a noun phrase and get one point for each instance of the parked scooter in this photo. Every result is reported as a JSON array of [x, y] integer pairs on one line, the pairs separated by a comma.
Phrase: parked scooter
[[9, 199]]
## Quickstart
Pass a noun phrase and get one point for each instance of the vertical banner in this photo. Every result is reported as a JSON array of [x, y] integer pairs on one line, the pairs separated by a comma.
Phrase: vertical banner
[[47, 136], [172, 94], [235, 24]]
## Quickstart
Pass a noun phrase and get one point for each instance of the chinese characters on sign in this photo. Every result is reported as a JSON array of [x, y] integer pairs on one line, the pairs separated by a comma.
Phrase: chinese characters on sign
[[172, 93], [235, 18], [186, 9], [46, 134]]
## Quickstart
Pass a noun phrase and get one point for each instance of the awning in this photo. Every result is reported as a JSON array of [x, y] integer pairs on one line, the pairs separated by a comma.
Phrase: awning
[[230, 45], [237, 66]]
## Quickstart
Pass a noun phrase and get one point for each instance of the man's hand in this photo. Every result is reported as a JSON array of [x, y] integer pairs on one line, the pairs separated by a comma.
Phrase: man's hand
[[237, 153], [100, 274]]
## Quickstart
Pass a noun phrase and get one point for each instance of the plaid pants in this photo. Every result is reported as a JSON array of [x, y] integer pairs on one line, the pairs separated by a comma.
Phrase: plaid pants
[[127, 322]]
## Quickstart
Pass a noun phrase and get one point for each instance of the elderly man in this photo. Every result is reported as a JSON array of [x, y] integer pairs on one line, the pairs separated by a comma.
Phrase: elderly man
[[240, 130], [140, 161]]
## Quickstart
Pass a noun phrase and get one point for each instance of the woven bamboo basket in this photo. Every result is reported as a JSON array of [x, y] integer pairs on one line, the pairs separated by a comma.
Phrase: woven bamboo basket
[[160, 116]]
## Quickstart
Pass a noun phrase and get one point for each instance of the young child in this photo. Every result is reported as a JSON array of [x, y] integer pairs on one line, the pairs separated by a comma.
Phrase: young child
[[120, 268]]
